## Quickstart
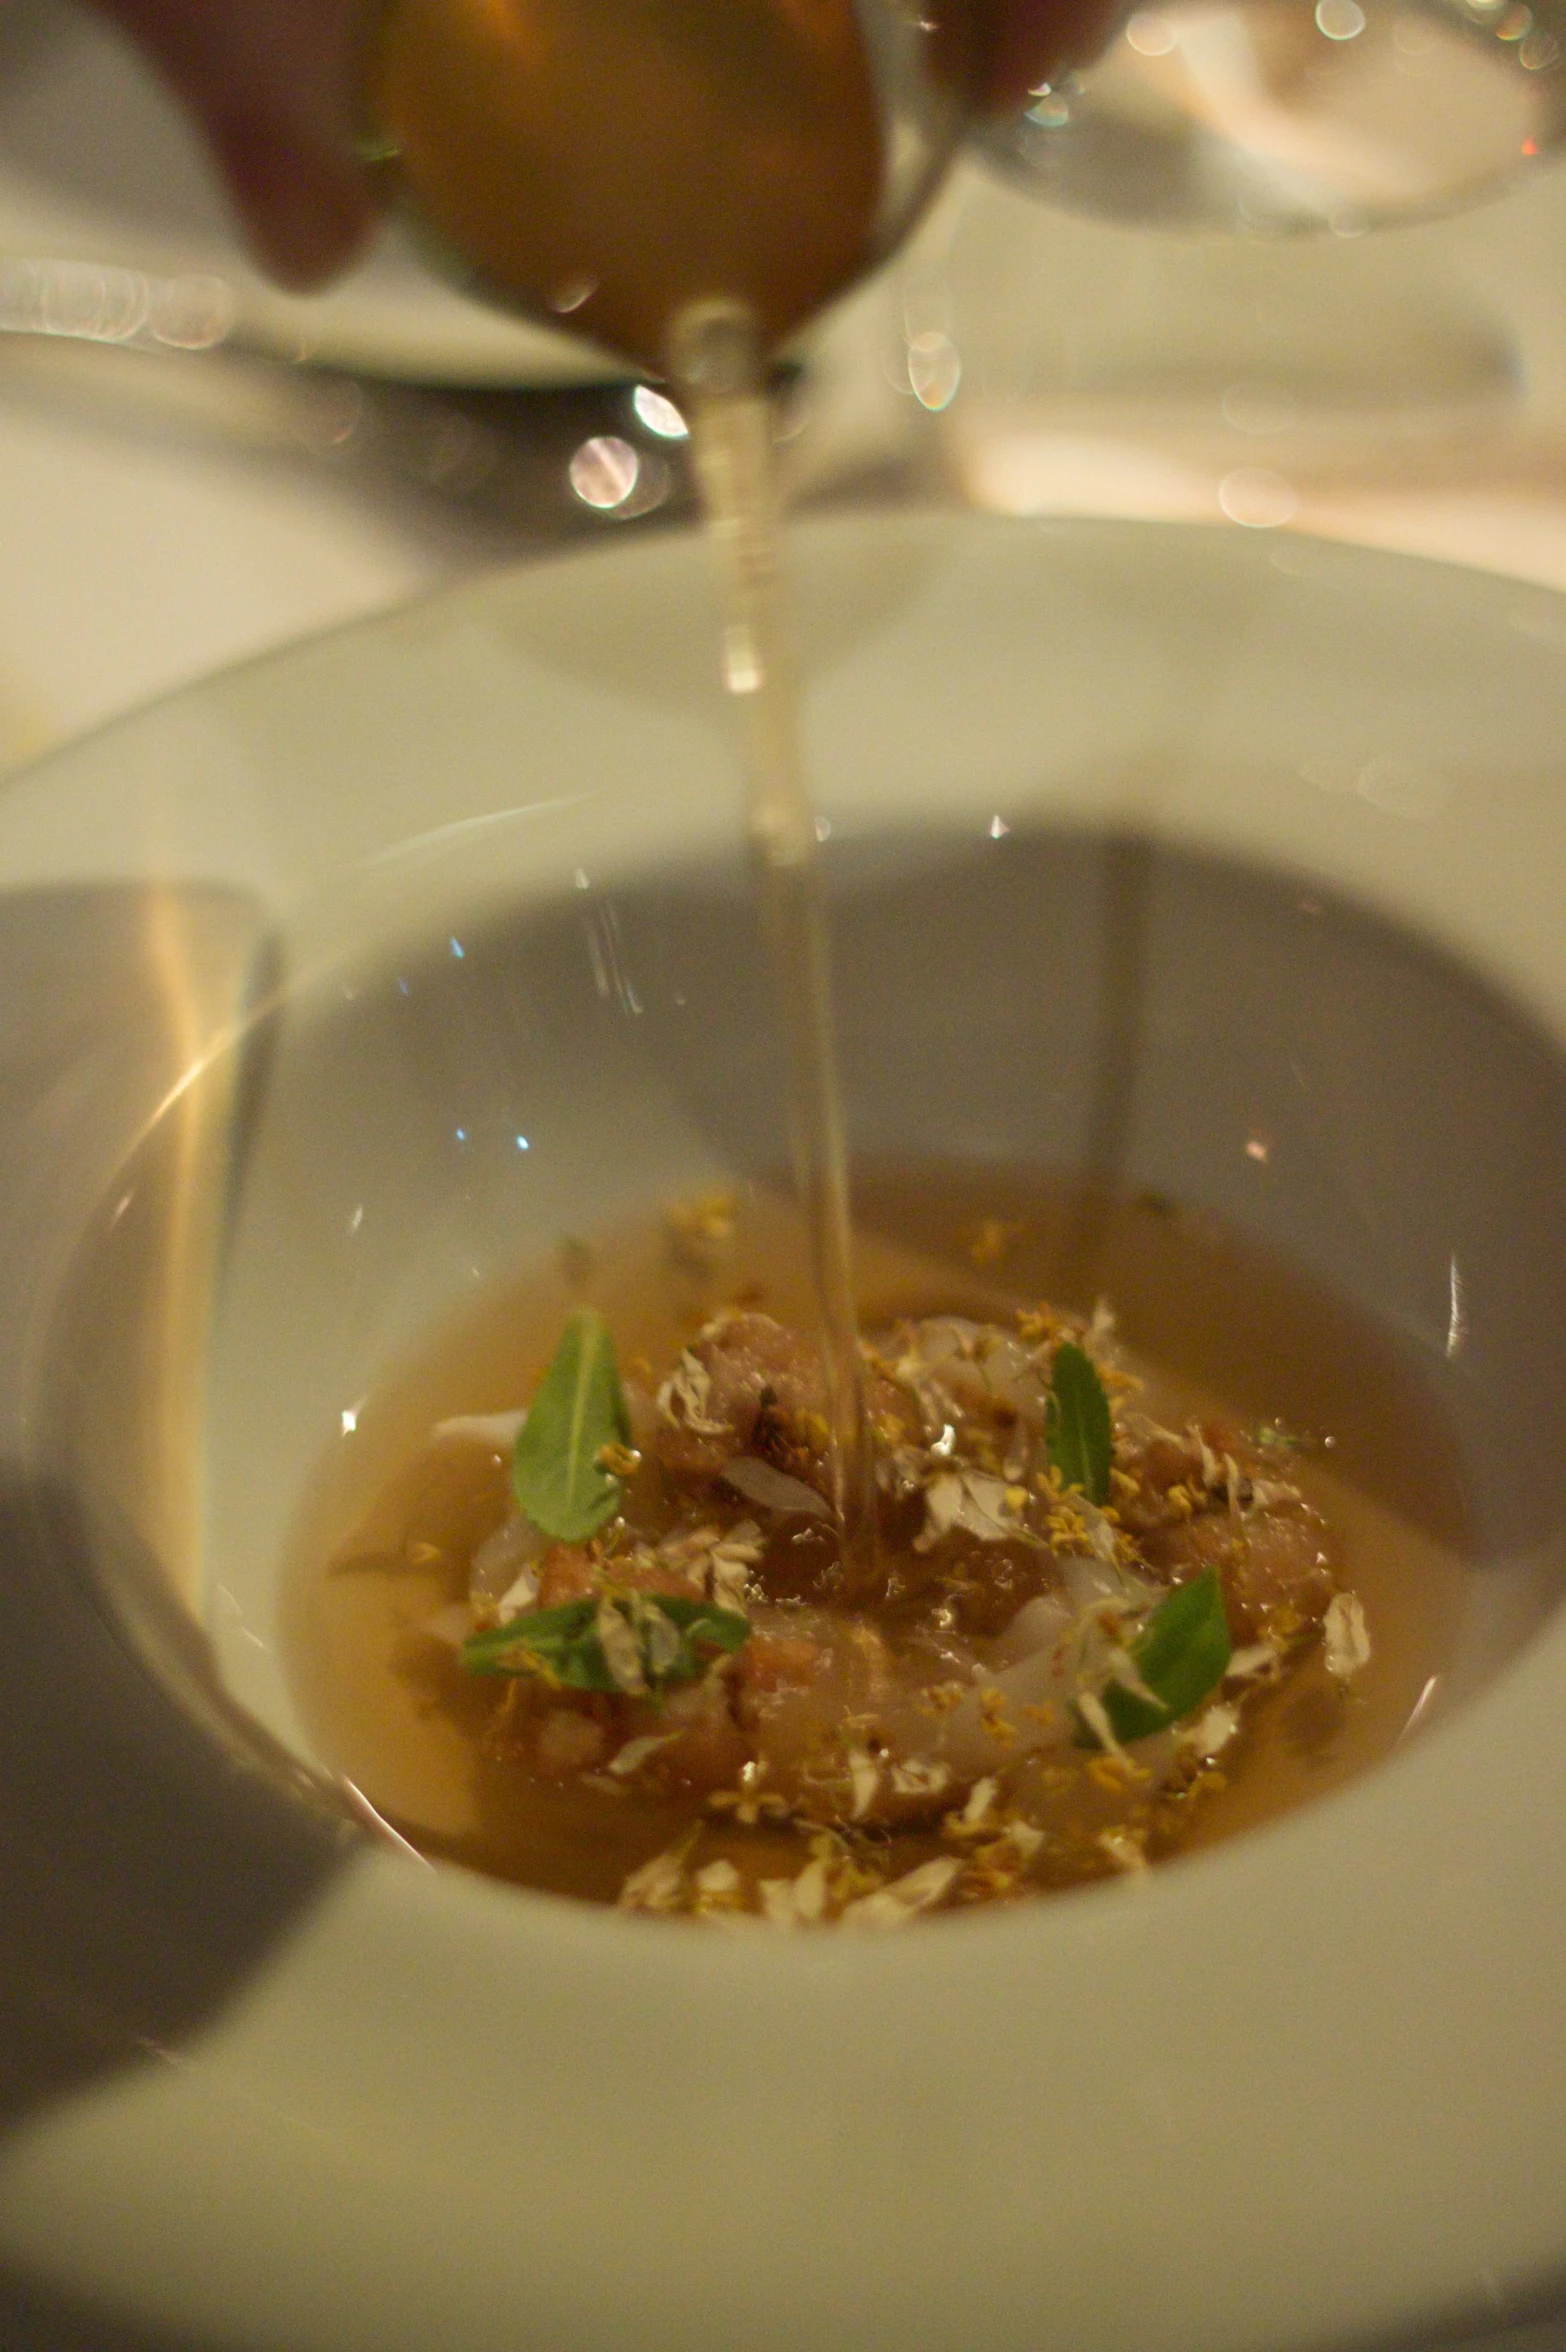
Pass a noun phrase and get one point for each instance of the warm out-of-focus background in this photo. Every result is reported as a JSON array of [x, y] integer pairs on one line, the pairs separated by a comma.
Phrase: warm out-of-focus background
[[194, 468]]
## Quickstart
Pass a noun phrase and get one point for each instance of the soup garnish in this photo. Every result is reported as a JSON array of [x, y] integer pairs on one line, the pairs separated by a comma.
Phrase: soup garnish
[[1075, 1608]]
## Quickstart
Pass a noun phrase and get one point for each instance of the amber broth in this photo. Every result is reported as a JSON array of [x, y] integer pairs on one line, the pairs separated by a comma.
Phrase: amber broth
[[382, 1539], [614, 162]]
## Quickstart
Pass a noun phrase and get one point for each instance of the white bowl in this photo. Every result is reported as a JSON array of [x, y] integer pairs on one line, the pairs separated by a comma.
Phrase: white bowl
[[1306, 2089]]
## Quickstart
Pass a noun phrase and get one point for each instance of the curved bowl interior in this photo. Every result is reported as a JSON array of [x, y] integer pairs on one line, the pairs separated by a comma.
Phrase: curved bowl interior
[[1187, 863]]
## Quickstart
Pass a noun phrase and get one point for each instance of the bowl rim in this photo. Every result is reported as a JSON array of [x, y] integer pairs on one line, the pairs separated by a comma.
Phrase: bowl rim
[[1389, 2153]]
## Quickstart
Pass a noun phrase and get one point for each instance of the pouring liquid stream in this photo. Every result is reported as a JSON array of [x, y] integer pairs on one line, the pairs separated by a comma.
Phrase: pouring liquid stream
[[719, 368], [611, 162]]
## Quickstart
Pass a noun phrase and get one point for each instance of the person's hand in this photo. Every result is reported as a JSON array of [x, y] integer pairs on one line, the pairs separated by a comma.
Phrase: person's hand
[[270, 83]]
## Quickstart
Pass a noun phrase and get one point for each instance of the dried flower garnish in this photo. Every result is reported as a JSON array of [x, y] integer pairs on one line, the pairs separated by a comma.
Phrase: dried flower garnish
[[633, 1643], [977, 1816], [992, 1239]]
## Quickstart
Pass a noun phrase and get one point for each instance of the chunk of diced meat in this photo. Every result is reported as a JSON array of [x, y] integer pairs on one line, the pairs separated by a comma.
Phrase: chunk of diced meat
[[1285, 1572], [569, 1741], [569, 1572], [706, 1749], [796, 1688], [847, 1731], [1276, 1567], [709, 1407], [777, 1661], [745, 1385]]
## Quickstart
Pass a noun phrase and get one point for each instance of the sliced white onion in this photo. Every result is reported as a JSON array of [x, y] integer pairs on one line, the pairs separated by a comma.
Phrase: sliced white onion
[[1089, 1580], [1040, 1624], [498, 1431], [501, 1559], [451, 1625], [759, 1482]]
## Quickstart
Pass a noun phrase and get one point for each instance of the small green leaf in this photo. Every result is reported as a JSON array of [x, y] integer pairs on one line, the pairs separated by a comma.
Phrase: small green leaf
[[704, 1621], [580, 1408], [1181, 1654], [565, 1642], [1077, 1426], [561, 1640]]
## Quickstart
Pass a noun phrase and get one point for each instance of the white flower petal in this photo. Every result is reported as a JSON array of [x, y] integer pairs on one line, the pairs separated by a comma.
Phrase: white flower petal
[[864, 1775], [974, 1501], [810, 1893], [686, 1395], [659, 1885], [1259, 1663], [1345, 1636], [1091, 1709], [519, 1596], [980, 1798], [1268, 1493], [918, 1890], [1212, 1732], [1123, 1851]]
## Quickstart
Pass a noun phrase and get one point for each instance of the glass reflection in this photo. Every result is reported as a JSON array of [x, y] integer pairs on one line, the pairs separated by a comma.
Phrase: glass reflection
[[92, 302]]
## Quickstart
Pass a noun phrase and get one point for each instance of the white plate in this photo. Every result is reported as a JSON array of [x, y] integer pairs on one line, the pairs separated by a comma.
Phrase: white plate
[[98, 164], [1309, 2090]]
